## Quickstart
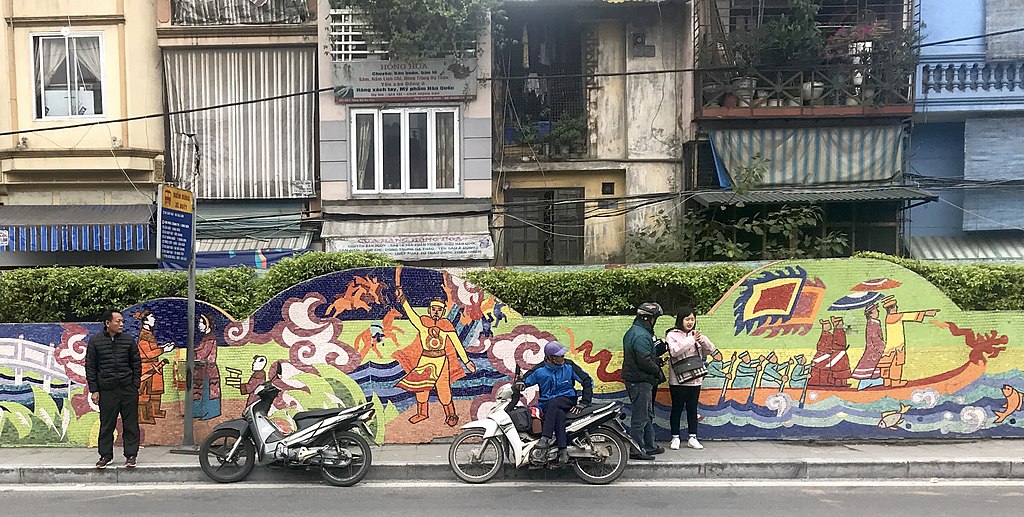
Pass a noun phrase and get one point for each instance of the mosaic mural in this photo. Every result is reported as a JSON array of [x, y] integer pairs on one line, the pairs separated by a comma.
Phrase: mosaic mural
[[824, 349]]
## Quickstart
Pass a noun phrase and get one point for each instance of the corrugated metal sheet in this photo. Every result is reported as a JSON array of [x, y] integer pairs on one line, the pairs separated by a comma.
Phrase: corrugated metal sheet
[[75, 228], [233, 12], [1003, 15], [261, 150], [968, 247], [299, 242], [992, 153], [824, 195], [807, 156]]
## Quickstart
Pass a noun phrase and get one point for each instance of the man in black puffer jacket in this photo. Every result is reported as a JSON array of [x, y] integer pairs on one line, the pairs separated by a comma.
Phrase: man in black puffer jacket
[[114, 371]]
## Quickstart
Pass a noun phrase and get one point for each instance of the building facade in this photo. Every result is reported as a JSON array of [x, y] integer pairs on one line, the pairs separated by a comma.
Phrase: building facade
[[591, 115], [968, 122], [79, 196], [404, 147], [252, 159], [805, 104]]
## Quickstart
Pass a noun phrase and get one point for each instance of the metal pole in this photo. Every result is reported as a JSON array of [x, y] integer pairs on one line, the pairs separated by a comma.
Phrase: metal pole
[[187, 439]]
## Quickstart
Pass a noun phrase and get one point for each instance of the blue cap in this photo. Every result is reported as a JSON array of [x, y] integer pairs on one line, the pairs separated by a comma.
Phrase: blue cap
[[554, 348]]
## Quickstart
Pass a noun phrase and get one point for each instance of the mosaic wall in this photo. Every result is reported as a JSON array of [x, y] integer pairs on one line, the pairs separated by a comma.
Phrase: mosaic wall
[[823, 349]]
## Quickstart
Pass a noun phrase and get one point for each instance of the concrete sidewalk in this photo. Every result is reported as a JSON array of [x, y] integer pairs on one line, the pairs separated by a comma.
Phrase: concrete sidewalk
[[719, 460]]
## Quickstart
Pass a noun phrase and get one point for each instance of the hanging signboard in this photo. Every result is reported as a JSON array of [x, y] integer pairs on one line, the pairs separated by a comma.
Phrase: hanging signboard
[[393, 81], [174, 220]]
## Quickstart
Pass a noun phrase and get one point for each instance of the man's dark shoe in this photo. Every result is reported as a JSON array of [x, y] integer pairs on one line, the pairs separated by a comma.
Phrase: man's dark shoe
[[641, 456], [129, 462], [544, 442], [563, 457], [103, 462], [656, 450]]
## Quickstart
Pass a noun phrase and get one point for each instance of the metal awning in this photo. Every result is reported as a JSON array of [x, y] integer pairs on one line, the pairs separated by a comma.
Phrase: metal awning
[[297, 242], [75, 228], [810, 156], [813, 195], [967, 247]]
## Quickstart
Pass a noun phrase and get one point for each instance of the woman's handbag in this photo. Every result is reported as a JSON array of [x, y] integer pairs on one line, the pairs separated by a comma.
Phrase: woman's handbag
[[689, 368]]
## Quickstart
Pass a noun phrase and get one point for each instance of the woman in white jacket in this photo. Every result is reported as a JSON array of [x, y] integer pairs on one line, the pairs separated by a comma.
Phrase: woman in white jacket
[[684, 340]]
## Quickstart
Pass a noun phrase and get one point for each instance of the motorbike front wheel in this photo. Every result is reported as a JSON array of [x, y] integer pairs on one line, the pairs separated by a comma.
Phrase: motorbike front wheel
[[346, 460], [213, 456], [475, 459], [608, 459]]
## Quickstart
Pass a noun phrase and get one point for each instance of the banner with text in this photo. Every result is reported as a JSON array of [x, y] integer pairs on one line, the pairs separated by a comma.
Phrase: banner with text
[[420, 247], [392, 81]]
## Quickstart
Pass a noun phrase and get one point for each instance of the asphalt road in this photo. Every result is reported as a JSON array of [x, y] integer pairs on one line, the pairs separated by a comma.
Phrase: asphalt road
[[761, 498]]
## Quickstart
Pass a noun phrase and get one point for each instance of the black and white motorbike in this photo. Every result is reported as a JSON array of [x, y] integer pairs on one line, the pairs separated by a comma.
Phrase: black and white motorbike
[[598, 449], [328, 439]]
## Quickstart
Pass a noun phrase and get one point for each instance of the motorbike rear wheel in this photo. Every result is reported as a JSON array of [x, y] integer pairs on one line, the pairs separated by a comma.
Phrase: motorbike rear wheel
[[348, 467], [213, 456], [607, 468], [475, 459]]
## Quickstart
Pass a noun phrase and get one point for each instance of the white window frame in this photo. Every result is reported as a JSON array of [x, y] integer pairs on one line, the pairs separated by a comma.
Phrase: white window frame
[[38, 87], [378, 154]]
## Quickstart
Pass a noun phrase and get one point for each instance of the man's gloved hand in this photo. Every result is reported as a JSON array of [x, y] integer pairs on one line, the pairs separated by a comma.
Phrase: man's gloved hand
[[578, 408], [519, 386]]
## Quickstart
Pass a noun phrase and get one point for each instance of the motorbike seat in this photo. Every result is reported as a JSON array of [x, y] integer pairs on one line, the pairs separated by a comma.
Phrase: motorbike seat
[[592, 408], [306, 418]]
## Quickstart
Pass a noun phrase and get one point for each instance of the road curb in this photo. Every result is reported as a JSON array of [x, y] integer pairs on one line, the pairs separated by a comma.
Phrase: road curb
[[395, 471]]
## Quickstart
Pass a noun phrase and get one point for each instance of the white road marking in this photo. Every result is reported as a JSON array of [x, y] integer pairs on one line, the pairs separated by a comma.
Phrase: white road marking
[[811, 486]]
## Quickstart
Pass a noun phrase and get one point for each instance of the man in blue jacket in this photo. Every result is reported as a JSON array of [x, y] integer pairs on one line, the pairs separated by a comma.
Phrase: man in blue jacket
[[557, 378], [641, 373]]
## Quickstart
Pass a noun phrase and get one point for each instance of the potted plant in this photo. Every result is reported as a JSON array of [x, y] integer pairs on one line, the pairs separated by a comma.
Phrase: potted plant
[[569, 134]]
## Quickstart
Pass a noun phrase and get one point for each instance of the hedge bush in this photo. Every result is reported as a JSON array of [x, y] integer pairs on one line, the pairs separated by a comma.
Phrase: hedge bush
[[39, 295], [82, 294], [599, 292]]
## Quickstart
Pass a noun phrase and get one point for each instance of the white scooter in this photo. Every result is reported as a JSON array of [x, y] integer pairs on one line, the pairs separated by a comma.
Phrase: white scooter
[[598, 449], [327, 439]]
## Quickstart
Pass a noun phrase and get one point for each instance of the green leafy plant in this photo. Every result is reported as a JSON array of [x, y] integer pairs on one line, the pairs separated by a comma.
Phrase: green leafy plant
[[569, 133], [789, 232], [607, 291], [419, 29]]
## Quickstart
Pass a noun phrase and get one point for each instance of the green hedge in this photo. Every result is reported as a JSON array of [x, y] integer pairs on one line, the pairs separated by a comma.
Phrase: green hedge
[[598, 292], [973, 287], [81, 294], [37, 295]]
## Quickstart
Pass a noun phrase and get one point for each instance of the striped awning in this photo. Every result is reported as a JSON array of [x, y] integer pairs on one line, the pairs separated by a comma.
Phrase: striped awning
[[968, 247], [51, 228], [813, 195], [298, 242], [810, 156]]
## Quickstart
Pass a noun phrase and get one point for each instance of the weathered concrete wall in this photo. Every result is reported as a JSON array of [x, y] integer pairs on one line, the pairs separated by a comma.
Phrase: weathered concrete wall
[[799, 358]]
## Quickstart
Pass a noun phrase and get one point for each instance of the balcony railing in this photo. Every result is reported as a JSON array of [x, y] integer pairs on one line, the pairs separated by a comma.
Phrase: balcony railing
[[544, 118], [969, 84], [829, 91]]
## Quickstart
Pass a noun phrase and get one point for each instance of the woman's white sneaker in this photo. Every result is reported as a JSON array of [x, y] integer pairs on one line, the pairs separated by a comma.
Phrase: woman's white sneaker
[[693, 443], [675, 444]]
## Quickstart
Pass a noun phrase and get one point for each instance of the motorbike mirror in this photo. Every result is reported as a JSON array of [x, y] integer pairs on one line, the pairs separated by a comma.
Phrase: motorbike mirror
[[518, 372]]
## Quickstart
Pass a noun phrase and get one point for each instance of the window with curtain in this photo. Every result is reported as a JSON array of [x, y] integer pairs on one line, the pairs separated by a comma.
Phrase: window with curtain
[[405, 150], [68, 78]]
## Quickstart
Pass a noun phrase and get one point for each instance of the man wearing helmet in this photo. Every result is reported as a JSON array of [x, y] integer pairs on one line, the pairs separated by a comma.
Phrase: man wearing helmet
[[641, 372], [557, 378]]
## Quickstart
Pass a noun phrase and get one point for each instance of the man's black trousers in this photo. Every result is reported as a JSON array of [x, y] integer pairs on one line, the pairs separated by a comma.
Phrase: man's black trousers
[[123, 401]]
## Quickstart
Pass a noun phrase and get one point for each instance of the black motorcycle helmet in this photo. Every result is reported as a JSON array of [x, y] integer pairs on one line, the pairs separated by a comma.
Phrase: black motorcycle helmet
[[649, 310]]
